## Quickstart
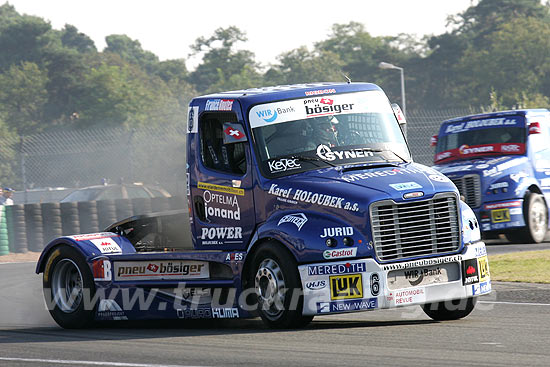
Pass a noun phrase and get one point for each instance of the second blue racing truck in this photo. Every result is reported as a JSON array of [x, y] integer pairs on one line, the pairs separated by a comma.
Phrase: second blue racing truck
[[303, 200], [500, 163]]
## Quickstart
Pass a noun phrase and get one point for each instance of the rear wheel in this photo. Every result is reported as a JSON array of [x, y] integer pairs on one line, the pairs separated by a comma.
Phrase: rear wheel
[[278, 288], [536, 221], [450, 310], [69, 288]]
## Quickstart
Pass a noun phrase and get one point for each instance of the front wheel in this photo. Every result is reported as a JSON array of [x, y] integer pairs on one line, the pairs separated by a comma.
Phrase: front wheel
[[278, 288], [450, 310], [69, 288], [536, 221]]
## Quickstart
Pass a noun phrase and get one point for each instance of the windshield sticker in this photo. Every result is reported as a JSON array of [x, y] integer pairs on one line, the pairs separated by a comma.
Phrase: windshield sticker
[[219, 105], [483, 124], [299, 109], [406, 186], [324, 152], [320, 91], [293, 196], [480, 150], [283, 165]]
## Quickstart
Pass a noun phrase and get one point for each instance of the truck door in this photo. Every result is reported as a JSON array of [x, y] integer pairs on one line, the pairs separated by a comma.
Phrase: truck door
[[221, 191]]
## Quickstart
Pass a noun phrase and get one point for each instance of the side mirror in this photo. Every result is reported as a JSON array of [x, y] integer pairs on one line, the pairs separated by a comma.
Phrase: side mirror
[[398, 114], [233, 133], [433, 141], [534, 128]]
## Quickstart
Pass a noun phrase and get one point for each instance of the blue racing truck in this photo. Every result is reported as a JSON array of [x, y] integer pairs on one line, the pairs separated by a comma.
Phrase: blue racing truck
[[500, 163], [303, 200]]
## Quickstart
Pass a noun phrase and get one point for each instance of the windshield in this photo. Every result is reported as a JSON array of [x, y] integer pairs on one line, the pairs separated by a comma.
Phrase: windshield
[[482, 137], [303, 134]]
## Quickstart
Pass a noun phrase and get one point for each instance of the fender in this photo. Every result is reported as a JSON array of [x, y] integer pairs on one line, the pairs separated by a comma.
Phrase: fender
[[305, 233], [89, 245]]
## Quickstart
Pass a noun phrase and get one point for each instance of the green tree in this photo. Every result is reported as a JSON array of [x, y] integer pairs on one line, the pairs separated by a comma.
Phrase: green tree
[[221, 61], [131, 51], [23, 96], [72, 38]]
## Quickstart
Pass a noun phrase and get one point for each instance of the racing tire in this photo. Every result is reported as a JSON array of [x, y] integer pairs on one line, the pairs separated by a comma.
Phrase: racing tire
[[536, 221], [275, 278], [450, 310], [69, 288]]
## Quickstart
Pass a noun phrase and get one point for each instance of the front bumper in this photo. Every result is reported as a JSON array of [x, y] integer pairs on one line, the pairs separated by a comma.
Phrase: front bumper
[[500, 215], [363, 284]]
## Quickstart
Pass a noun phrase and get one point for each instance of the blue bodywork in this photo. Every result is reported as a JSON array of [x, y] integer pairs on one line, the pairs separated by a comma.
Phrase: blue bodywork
[[301, 211], [505, 177]]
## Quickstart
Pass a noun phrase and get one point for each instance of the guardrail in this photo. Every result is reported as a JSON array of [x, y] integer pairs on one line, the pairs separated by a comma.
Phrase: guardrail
[[29, 227]]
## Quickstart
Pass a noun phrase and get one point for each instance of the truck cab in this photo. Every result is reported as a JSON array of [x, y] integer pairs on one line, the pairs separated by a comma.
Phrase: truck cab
[[303, 200], [500, 163]]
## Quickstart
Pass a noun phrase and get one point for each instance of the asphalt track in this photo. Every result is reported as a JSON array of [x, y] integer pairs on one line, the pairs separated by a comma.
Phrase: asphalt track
[[510, 327]]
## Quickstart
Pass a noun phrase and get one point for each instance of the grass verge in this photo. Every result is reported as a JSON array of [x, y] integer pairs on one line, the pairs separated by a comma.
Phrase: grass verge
[[525, 266]]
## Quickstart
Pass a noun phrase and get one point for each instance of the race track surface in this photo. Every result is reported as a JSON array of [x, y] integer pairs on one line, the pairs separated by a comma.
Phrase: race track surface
[[510, 327]]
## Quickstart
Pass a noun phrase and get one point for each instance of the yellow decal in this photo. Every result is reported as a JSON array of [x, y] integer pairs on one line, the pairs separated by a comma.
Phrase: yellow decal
[[500, 215], [346, 286], [483, 266], [52, 257], [219, 188]]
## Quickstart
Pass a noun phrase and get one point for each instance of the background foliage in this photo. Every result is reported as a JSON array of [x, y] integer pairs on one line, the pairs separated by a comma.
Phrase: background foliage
[[494, 53]]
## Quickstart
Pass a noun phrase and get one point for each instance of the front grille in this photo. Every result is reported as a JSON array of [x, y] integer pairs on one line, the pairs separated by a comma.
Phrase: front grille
[[412, 229], [469, 186]]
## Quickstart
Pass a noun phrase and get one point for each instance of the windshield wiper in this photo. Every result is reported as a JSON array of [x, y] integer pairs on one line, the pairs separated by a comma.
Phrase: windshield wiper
[[313, 159]]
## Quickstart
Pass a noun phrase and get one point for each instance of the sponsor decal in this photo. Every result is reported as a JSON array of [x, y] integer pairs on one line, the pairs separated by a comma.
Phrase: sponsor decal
[[405, 186], [194, 313], [516, 211], [340, 254], [331, 269], [516, 177], [480, 250], [508, 204], [411, 195], [422, 263], [101, 270], [481, 288], [416, 276], [283, 165], [510, 148], [438, 178], [374, 284], [220, 235], [347, 306], [52, 257], [192, 121], [325, 106], [271, 114], [483, 267], [93, 236], [337, 232], [316, 285], [219, 105], [166, 270], [408, 296], [107, 246], [443, 155], [498, 185], [219, 188], [324, 152], [234, 256], [346, 286], [320, 91], [500, 215], [225, 313], [294, 196], [109, 309], [382, 173], [482, 123], [221, 206], [466, 150], [298, 219], [470, 272]]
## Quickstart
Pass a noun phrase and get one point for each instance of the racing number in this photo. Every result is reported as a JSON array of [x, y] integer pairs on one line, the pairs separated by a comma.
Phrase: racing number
[[346, 286], [483, 265]]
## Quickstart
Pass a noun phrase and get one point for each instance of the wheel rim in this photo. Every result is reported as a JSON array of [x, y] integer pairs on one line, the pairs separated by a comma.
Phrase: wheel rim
[[67, 285], [270, 288], [538, 220]]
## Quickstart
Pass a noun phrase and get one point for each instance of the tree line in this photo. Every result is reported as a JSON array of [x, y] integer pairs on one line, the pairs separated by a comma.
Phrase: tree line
[[494, 53]]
